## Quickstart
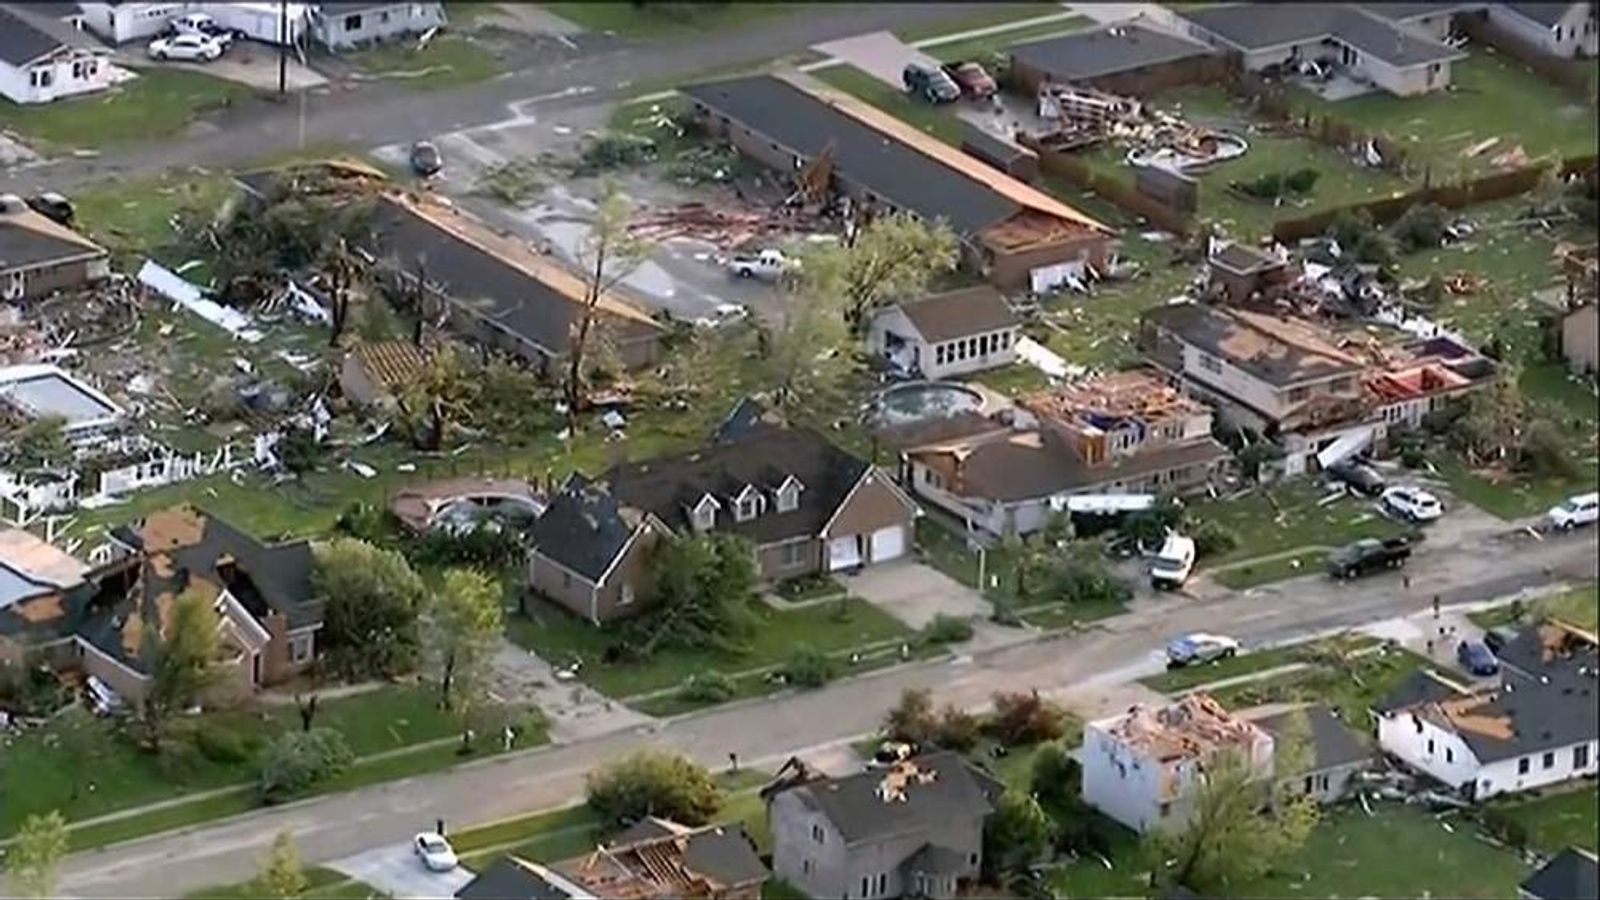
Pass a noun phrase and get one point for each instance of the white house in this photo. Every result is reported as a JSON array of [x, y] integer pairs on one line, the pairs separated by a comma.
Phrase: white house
[[358, 23], [1536, 727], [44, 58], [123, 22], [953, 333], [120, 23], [1138, 767], [1560, 29]]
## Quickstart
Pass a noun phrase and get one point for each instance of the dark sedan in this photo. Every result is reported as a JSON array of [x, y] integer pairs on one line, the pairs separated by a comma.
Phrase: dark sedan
[[1477, 658]]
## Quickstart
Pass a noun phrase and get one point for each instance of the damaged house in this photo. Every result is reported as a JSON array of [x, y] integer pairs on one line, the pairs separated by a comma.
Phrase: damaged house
[[1125, 433], [1138, 766], [913, 829], [1011, 233], [98, 622], [39, 257], [1536, 727]]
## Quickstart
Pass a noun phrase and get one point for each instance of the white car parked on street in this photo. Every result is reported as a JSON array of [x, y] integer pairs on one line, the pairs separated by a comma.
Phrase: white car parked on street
[[186, 47], [1583, 509], [1412, 504], [434, 851]]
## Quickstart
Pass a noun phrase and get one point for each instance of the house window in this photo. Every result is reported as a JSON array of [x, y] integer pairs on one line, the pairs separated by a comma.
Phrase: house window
[[749, 506], [352, 23], [1310, 784], [383, 18], [299, 649], [883, 882], [1550, 759], [1522, 766], [1580, 756], [1210, 363], [792, 554], [566, 579], [866, 885], [705, 516], [627, 594], [818, 835], [1430, 746], [805, 867], [1449, 754], [789, 497], [41, 77], [1299, 394]]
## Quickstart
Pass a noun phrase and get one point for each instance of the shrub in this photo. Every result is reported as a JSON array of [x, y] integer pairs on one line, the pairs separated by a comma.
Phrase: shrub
[[652, 783], [1213, 539], [1023, 717], [911, 720], [221, 745], [707, 687], [614, 151], [1544, 452], [297, 760], [947, 629], [1302, 181], [809, 668], [956, 729], [1420, 227], [1055, 778]]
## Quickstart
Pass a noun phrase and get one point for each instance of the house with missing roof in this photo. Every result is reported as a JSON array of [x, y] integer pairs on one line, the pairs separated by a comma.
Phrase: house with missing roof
[[1321, 396], [100, 624], [1538, 725], [1240, 271], [654, 859], [44, 57], [804, 504], [1128, 432], [1139, 766], [1559, 29], [913, 829], [1120, 58], [944, 335], [1012, 234], [1572, 873], [39, 257], [373, 372], [1398, 47], [37, 391]]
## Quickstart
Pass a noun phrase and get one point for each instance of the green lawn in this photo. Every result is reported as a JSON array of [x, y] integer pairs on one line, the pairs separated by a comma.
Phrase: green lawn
[[1279, 568], [1493, 96], [935, 120], [157, 104], [447, 61], [667, 20], [1559, 820], [133, 218], [1580, 606], [941, 545], [986, 49], [1351, 687], [320, 883], [1253, 661], [1286, 517], [991, 15], [559, 637], [1510, 497]]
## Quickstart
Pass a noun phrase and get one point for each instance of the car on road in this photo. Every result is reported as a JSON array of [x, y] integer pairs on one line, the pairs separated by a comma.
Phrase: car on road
[[1199, 647], [1477, 658], [434, 851], [1583, 509], [201, 23], [1412, 504], [1369, 555], [1360, 477], [767, 265], [186, 48], [931, 84], [972, 78], [426, 160], [1171, 566]]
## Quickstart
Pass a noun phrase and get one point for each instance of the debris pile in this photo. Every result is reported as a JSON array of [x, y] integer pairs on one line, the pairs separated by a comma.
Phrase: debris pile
[[725, 227]]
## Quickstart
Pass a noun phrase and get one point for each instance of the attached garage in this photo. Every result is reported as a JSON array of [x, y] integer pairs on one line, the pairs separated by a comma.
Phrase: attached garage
[[844, 553], [888, 543]]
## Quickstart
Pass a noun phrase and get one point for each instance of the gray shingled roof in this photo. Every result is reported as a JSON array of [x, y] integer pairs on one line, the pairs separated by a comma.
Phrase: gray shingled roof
[[1546, 14], [1107, 50], [853, 806], [1368, 28], [510, 878], [583, 529], [1279, 363], [21, 246], [1333, 744], [21, 42], [1570, 875], [961, 313]]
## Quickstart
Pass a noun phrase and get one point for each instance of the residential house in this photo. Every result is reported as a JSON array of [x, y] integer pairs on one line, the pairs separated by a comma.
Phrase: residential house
[[1559, 29], [590, 551], [60, 10], [38, 256], [36, 391], [1011, 233], [1138, 766], [913, 829], [999, 151], [1569, 875], [1397, 46], [374, 371], [360, 23], [1335, 752], [30, 569], [121, 22], [1124, 433], [45, 57], [1239, 271], [1538, 725], [954, 333], [1580, 337], [655, 859], [1121, 58], [1320, 395]]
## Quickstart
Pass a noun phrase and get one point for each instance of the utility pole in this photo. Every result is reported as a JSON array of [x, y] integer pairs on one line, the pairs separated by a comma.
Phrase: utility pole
[[283, 47]]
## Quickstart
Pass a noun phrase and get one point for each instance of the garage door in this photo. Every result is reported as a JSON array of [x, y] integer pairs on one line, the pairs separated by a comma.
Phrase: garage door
[[843, 553], [888, 543]]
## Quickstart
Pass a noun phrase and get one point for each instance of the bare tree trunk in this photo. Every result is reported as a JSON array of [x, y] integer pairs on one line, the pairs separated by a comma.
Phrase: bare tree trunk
[[575, 393]]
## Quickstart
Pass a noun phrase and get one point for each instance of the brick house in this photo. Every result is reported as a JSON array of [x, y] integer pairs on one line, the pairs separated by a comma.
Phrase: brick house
[[39, 257]]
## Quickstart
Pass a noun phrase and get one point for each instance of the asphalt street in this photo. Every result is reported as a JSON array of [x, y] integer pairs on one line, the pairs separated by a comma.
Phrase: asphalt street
[[1114, 651], [377, 114]]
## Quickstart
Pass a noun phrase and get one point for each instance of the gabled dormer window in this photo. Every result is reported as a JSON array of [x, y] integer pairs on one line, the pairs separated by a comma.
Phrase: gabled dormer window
[[748, 504], [705, 513], [789, 494]]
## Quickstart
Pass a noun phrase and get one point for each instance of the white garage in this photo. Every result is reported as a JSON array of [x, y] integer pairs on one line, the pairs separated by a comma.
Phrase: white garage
[[844, 553], [888, 543]]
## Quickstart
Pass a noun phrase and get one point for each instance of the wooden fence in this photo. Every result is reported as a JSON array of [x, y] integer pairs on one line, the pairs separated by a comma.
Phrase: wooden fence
[[1121, 194], [1450, 196], [1576, 77], [1271, 102]]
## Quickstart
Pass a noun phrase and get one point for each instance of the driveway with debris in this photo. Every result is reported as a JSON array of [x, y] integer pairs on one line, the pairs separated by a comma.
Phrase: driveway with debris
[[398, 872], [575, 710]]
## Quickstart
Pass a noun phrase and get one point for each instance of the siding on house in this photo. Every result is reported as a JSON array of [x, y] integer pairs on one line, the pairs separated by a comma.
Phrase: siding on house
[[1580, 338]]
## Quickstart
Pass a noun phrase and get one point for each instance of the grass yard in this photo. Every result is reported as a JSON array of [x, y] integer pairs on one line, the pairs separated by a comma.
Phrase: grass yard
[[932, 119], [560, 637], [992, 15], [669, 20], [1511, 497], [1579, 605], [1352, 689], [1492, 96], [942, 546], [1559, 820], [1253, 661], [1283, 517], [986, 49], [133, 219], [447, 61], [1254, 573], [320, 883], [159, 103]]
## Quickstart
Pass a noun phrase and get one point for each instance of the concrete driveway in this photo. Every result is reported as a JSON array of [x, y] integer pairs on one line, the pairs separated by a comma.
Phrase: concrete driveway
[[397, 871], [248, 63], [879, 54], [914, 593], [576, 711]]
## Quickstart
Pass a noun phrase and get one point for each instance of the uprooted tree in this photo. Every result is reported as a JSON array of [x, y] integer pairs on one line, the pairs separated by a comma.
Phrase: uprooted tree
[[609, 253], [439, 401]]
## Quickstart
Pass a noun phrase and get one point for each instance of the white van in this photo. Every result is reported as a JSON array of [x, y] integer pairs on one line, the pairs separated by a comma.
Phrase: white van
[[1583, 509], [1170, 568]]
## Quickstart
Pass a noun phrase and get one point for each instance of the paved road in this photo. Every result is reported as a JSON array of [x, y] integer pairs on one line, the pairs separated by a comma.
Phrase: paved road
[[387, 113], [1116, 651]]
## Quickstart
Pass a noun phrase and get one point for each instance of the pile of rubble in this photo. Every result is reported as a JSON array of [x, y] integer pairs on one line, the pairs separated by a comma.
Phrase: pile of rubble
[[726, 227], [1081, 117]]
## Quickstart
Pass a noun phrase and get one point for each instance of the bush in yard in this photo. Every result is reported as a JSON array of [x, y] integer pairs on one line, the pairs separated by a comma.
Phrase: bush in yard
[[1015, 836], [221, 745], [947, 629], [1086, 579], [1419, 228], [1149, 527], [652, 783], [707, 687], [1212, 539], [957, 729], [809, 668], [911, 720], [1023, 717], [1055, 778], [296, 760], [1544, 453], [1302, 181]]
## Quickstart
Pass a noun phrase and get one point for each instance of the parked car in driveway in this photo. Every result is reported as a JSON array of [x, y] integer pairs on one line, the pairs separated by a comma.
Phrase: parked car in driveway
[[186, 48], [1583, 509], [1369, 555], [1199, 647], [1412, 504], [1360, 477], [931, 84], [973, 79], [1171, 566], [201, 23], [1477, 658], [434, 851], [426, 159]]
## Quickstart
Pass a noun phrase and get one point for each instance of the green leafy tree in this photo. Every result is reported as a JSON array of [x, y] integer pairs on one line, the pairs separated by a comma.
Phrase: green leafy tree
[[1494, 426], [1016, 835], [84, 742], [42, 442], [892, 257], [806, 357], [436, 404], [296, 760], [34, 858], [652, 783], [700, 591], [281, 876], [463, 625], [912, 719], [181, 655], [610, 253], [373, 599]]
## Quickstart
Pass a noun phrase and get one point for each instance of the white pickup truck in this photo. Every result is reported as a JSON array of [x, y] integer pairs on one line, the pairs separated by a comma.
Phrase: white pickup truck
[[768, 265]]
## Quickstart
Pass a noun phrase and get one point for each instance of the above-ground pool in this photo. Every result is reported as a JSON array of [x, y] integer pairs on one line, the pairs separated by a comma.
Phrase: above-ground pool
[[919, 400]]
